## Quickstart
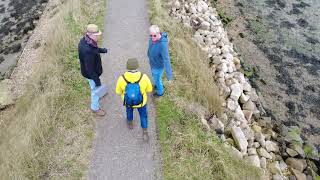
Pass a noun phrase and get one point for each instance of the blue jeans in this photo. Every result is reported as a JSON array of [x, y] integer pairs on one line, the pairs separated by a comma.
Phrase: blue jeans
[[94, 96], [143, 115], [157, 80]]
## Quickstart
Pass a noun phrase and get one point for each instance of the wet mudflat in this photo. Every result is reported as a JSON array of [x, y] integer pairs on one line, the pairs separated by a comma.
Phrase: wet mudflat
[[17, 20]]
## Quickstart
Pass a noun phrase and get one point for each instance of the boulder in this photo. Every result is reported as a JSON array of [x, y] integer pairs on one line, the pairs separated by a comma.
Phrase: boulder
[[238, 115], [263, 163], [247, 115], [291, 152], [298, 148], [239, 138], [299, 175], [252, 151], [277, 177], [283, 165], [248, 133], [216, 124], [259, 137], [249, 105], [256, 128], [253, 160], [205, 25], [232, 105], [6, 95], [274, 168], [272, 146], [264, 153], [244, 98], [298, 164]]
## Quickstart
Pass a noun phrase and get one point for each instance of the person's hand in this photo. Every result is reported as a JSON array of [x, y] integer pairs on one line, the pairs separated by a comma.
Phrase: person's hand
[[104, 50]]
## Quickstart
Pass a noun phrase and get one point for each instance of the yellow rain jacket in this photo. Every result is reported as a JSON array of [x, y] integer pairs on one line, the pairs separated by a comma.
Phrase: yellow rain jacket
[[145, 85]]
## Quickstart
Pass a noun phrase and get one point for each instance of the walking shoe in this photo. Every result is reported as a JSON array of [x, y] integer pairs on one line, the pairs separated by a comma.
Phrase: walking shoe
[[99, 112], [130, 124], [145, 135], [156, 95]]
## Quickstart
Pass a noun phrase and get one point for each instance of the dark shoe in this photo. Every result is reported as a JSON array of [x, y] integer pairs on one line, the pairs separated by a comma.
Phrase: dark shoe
[[130, 124], [145, 135], [99, 112]]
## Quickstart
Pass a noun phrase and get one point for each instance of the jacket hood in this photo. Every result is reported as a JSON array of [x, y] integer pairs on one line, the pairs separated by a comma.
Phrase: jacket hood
[[132, 76], [164, 37]]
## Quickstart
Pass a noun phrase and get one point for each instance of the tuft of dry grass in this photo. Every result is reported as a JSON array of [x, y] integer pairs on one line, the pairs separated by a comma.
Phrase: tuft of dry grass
[[48, 133]]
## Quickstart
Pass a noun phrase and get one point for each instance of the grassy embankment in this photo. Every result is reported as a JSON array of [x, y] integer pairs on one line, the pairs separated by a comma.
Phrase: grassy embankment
[[188, 151], [48, 133]]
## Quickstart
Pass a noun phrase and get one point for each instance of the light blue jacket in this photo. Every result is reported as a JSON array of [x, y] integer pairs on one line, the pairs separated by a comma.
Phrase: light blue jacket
[[158, 54]]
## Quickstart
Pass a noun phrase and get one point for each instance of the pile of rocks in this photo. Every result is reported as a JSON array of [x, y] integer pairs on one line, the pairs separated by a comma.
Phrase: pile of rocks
[[251, 134]]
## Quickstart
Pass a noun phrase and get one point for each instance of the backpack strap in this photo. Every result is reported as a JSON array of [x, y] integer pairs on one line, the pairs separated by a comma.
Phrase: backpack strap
[[133, 82]]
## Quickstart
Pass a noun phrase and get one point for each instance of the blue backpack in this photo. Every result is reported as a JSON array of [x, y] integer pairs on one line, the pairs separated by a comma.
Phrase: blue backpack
[[132, 94]]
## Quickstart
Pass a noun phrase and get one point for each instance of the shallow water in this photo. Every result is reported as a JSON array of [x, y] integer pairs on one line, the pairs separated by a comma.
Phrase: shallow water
[[288, 32]]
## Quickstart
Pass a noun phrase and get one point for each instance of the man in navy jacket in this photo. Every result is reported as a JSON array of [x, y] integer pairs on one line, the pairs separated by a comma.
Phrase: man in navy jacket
[[90, 64]]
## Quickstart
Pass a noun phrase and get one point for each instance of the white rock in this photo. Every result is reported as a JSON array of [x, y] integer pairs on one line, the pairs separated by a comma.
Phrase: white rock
[[246, 86], [236, 91], [277, 177], [232, 105], [253, 160], [205, 124], [299, 175], [236, 152], [252, 151], [263, 153], [249, 105], [228, 57], [223, 67], [238, 115], [239, 138], [283, 166], [253, 95], [248, 133], [244, 98], [220, 74], [275, 168], [247, 115], [272, 147], [177, 4], [216, 123], [202, 6], [256, 145], [216, 59], [225, 49], [215, 41], [198, 38], [259, 137], [263, 163], [292, 152]]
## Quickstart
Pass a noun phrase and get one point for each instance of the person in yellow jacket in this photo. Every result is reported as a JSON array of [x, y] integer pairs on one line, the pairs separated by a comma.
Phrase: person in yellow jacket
[[133, 87]]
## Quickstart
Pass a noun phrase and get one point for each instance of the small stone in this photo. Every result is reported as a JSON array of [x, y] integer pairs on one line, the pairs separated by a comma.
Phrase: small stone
[[238, 115], [256, 145], [263, 153], [275, 168], [292, 152], [6, 95], [297, 164], [252, 151], [298, 148], [263, 163], [253, 160], [244, 98], [239, 138], [272, 147], [249, 105], [248, 133], [230, 141], [205, 124]]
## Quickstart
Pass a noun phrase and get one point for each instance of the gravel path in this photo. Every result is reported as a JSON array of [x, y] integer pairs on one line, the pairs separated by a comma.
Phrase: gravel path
[[120, 153]]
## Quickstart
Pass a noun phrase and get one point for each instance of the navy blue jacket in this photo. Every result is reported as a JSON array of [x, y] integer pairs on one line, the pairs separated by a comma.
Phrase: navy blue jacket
[[158, 54], [90, 61]]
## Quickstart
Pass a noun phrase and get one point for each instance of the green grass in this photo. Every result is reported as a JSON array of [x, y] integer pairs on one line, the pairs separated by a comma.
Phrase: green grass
[[48, 133], [188, 151]]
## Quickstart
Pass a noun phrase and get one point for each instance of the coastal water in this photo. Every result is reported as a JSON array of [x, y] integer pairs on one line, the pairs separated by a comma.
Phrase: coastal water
[[287, 32], [17, 20]]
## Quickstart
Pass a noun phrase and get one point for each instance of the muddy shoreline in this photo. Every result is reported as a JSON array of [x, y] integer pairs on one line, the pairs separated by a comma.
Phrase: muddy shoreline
[[18, 18], [278, 41]]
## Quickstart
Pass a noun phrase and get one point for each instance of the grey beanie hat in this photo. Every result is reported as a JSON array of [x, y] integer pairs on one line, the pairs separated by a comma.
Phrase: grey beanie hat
[[132, 64]]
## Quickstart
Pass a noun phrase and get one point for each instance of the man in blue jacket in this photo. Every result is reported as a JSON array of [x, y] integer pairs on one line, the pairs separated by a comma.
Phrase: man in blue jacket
[[90, 64], [159, 59]]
